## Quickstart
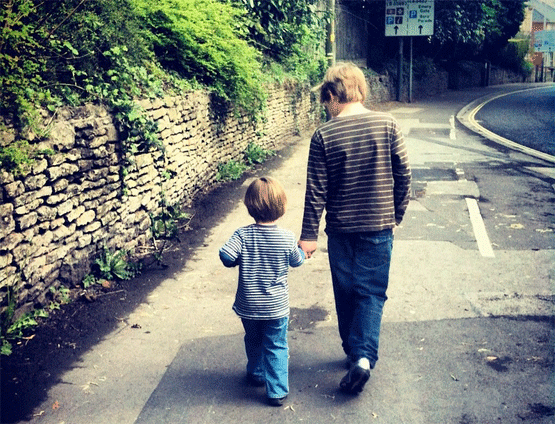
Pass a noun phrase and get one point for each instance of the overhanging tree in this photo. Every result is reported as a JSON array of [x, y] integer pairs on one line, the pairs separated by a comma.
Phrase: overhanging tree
[[470, 29]]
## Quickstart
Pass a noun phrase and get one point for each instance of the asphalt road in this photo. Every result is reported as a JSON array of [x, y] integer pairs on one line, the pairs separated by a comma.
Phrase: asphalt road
[[468, 330], [526, 117]]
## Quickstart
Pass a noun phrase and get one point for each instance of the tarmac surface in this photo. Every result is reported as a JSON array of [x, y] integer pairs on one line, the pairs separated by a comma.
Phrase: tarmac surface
[[468, 331]]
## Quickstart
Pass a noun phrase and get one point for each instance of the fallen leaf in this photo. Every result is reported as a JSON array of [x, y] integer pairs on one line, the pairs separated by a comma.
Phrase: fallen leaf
[[491, 358], [517, 226], [454, 378], [56, 405], [40, 414], [374, 415]]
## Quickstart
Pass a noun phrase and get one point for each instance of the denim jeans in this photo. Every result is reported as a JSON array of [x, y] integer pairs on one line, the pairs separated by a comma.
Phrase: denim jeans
[[268, 353], [359, 266]]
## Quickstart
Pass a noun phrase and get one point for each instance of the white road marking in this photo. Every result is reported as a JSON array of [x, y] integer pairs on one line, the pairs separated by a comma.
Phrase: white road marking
[[502, 140], [452, 131], [484, 244], [406, 110]]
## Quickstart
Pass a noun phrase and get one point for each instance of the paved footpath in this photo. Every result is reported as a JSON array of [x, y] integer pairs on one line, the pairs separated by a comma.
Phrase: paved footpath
[[467, 333]]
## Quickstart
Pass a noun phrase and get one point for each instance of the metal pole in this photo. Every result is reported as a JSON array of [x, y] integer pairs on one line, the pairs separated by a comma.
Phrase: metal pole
[[410, 73], [330, 38], [400, 71]]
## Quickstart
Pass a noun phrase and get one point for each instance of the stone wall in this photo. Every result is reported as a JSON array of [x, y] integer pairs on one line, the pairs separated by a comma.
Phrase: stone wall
[[383, 88], [55, 220], [464, 74]]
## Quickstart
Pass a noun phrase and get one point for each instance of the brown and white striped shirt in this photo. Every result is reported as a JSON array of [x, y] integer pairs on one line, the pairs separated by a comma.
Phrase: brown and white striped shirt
[[358, 170]]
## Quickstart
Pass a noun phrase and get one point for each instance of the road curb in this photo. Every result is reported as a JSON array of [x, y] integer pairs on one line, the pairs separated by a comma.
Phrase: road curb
[[466, 116]]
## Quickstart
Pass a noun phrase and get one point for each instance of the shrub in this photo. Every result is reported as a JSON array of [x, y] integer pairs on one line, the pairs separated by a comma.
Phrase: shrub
[[205, 41], [513, 56]]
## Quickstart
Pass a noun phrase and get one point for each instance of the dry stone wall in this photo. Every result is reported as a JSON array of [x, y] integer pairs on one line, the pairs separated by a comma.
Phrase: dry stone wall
[[56, 219]]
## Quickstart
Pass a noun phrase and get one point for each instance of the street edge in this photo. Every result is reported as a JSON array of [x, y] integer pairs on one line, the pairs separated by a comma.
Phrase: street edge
[[466, 116]]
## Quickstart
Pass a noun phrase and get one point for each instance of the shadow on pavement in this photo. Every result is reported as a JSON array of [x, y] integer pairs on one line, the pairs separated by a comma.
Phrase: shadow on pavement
[[470, 376]]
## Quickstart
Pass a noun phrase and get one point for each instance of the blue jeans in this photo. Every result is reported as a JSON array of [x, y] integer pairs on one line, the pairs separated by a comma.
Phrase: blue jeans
[[359, 266], [268, 353]]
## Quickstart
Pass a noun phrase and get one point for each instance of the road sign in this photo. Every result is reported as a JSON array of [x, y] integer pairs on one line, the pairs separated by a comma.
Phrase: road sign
[[544, 41], [406, 18]]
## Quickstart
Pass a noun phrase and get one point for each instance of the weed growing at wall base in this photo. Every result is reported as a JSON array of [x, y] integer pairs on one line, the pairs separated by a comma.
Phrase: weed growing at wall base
[[257, 154], [165, 224], [12, 328], [230, 171], [113, 265]]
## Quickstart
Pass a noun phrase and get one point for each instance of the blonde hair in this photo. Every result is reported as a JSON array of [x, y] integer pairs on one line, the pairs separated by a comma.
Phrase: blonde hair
[[265, 199], [346, 82]]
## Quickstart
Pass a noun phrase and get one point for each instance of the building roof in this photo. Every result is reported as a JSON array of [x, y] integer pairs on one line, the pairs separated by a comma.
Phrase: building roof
[[546, 8]]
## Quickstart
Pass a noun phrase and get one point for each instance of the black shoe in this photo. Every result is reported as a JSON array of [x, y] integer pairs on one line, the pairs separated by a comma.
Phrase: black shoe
[[276, 401], [255, 381], [355, 380]]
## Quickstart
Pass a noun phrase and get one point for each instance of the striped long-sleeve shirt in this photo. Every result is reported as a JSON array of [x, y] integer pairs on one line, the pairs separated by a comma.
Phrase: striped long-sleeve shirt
[[264, 254], [358, 170]]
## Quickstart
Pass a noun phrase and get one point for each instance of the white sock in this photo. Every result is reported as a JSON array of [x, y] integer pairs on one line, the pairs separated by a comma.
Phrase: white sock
[[364, 363]]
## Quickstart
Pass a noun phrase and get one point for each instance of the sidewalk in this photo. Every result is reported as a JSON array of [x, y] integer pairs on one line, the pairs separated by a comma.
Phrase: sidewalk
[[444, 359]]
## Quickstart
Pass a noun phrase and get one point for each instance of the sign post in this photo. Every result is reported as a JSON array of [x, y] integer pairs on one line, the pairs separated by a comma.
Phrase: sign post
[[408, 18], [544, 42]]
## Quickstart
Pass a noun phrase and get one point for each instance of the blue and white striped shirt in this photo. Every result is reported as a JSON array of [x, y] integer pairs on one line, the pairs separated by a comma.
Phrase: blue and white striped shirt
[[264, 254]]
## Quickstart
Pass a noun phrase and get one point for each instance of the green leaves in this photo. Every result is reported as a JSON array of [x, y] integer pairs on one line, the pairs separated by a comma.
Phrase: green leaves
[[230, 171], [281, 23], [477, 26], [289, 32], [205, 40], [113, 265], [13, 328], [18, 157], [257, 154]]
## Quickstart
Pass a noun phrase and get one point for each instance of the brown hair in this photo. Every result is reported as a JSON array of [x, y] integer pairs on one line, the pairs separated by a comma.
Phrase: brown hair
[[265, 199], [346, 82]]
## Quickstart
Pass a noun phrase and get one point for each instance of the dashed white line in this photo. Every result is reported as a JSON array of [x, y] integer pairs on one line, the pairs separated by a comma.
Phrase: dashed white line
[[484, 244]]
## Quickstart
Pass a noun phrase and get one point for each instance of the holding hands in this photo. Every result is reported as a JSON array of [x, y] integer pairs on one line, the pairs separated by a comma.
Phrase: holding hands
[[308, 247]]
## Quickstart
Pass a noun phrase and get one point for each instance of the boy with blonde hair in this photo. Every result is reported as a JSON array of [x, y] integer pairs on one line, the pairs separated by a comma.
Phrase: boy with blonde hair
[[263, 251]]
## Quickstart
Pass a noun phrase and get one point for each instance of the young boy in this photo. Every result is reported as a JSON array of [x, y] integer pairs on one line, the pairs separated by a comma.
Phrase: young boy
[[264, 253]]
